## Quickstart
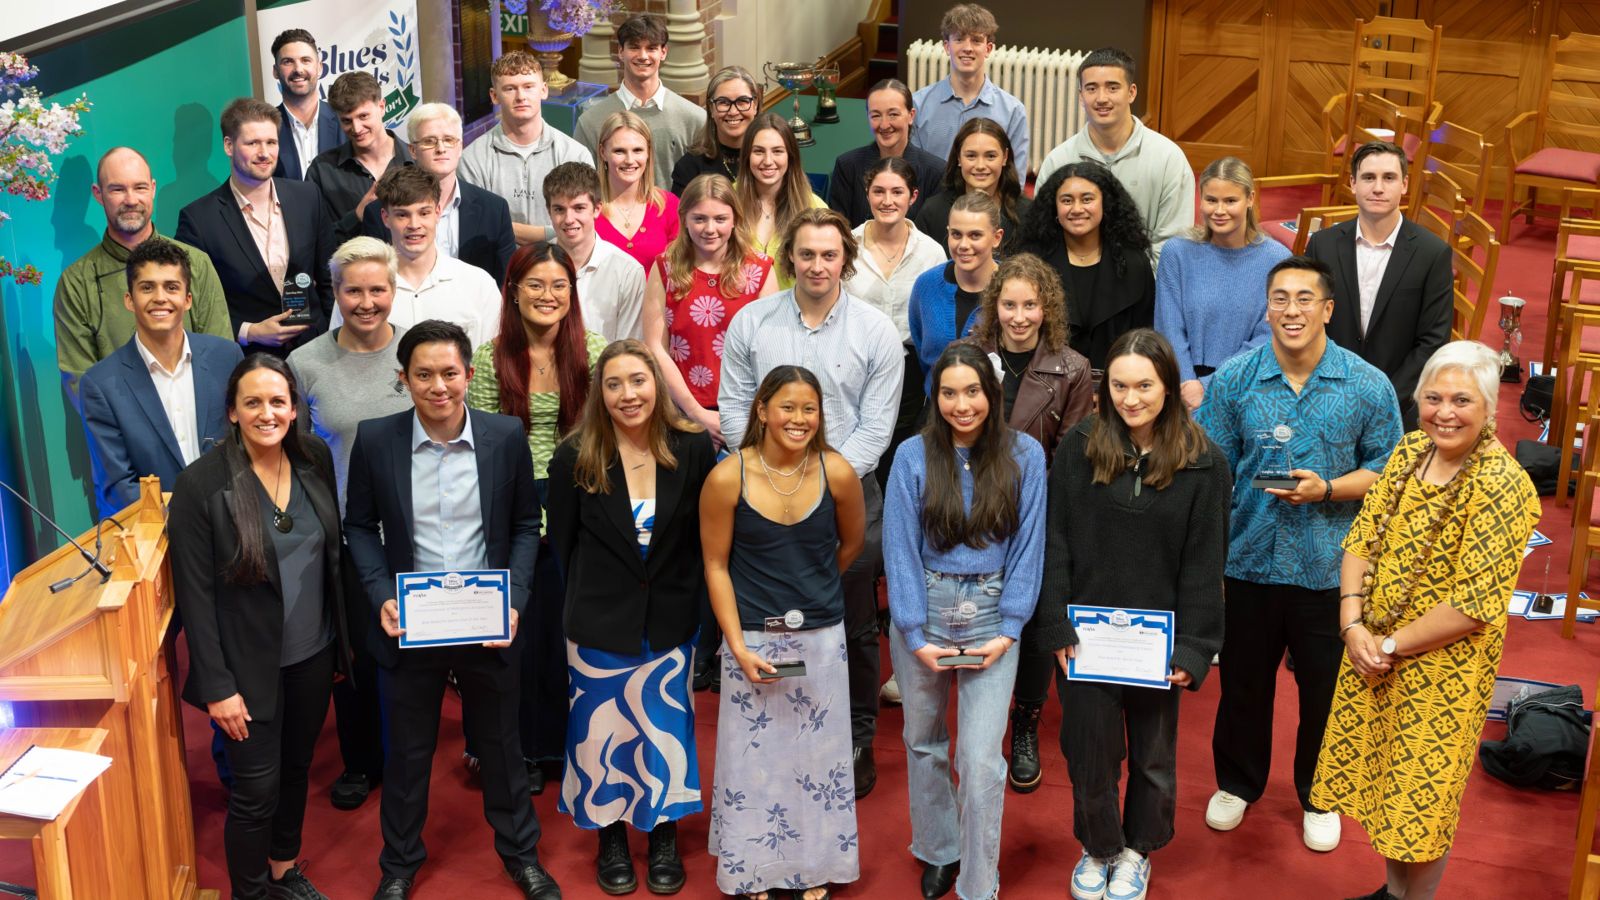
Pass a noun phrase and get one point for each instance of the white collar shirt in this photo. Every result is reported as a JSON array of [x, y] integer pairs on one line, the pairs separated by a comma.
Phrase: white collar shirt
[[1371, 260], [611, 293], [176, 390]]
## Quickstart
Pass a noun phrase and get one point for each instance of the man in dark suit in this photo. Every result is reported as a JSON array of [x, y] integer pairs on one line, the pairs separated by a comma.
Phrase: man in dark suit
[[1391, 277], [442, 488], [268, 237], [156, 403], [309, 126], [474, 224]]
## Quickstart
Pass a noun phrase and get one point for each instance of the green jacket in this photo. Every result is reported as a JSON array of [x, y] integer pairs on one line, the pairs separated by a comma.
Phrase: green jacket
[[91, 320]]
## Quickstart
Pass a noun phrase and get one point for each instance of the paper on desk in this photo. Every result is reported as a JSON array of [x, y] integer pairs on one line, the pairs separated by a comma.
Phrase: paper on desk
[[42, 781]]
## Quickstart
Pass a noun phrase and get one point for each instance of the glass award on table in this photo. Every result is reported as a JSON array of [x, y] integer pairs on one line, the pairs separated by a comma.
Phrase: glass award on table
[[782, 652], [958, 630], [297, 299], [1272, 455]]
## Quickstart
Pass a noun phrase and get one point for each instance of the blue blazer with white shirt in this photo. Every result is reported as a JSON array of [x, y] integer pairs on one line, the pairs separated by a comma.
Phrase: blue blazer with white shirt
[[128, 426], [329, 135]]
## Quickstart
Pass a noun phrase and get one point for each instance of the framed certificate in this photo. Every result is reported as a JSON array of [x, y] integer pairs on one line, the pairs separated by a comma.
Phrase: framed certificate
[[1122, 646], [442, 609]]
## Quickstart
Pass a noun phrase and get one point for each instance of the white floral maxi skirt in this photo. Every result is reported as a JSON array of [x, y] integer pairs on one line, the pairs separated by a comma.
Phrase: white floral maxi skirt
[[783, 804]]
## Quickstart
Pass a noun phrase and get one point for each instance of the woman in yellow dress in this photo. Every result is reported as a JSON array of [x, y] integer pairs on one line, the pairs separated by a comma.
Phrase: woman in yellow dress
[[1429, 567]]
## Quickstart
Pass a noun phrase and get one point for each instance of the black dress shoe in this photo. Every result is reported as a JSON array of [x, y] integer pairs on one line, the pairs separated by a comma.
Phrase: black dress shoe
[[938, 880], [535, 778], [866, 771], [536, 883], [613, 866], [350, 791], [393, 887], [665, 872]]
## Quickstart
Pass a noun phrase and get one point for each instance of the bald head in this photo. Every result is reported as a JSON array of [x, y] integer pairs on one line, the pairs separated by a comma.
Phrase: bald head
[[126, 190]]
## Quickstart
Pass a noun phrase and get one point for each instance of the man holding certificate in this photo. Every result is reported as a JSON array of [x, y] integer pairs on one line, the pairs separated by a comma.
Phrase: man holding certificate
[[1306, 426], [443, 526]]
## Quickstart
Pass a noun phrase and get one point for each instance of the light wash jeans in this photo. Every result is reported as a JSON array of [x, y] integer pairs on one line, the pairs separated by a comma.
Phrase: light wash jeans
[[947, 823]]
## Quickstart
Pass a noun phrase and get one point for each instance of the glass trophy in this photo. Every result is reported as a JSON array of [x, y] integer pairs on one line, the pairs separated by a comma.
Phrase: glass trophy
[[1272, 470], [781, 650], [958, 630], [296, 299]]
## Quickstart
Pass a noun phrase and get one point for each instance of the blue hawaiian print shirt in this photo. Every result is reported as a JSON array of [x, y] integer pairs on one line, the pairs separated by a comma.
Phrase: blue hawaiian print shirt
[[1346, 417]]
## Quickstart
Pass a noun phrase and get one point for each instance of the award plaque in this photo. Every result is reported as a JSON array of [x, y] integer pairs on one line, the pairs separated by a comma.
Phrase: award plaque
[[1272, 451], [297, 299], [781, 651]]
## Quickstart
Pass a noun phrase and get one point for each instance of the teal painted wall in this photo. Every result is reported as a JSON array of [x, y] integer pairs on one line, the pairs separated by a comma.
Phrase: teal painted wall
[[159, 86]]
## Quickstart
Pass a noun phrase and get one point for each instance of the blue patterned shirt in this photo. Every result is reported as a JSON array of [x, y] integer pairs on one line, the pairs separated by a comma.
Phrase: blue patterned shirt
[[1345, 418]]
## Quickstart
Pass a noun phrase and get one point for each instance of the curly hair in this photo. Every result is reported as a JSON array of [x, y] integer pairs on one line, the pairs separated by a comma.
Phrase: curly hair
[[1053, 330], [1009, 190], [1121, 227]]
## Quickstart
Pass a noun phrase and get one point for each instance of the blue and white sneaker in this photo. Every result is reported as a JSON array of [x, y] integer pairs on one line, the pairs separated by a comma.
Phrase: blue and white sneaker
[[1130, 875], [1089, 878]]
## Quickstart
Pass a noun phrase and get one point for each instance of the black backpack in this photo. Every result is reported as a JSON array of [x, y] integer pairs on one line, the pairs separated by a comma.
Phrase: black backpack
[[1547, 741]]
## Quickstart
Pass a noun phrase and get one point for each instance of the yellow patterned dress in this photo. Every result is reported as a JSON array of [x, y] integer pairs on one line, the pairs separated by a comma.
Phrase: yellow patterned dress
[[1399, 747]]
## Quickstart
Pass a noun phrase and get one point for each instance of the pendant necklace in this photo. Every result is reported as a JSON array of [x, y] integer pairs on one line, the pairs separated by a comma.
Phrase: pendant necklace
[[966, 458], [281, 520], [801, 469]]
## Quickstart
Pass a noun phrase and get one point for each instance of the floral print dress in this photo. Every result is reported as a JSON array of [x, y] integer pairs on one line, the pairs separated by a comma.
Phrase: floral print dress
[[698, 318]]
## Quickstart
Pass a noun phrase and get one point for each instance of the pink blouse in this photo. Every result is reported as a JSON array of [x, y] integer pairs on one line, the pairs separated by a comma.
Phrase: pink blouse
[[655, 232]]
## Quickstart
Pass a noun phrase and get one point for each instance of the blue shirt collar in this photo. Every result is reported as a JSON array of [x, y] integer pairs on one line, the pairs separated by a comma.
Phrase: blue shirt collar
[[1333, 364], [419, 437]]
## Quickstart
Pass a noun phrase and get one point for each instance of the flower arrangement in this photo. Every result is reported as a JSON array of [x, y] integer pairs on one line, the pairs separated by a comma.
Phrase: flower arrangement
[[30, 133], [576, 16]]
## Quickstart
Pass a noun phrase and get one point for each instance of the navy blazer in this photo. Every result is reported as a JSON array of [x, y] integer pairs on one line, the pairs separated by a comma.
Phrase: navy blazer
[[329, 134], [378, 496], [128, 426], [484, 237], [214, 224]]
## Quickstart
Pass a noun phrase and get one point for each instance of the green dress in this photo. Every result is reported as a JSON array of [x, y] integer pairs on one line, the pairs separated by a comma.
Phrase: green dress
[[483, 392], [1399, 747]]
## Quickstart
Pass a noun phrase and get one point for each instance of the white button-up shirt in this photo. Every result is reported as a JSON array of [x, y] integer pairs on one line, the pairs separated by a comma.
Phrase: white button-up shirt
[[176, 390], [305, 138], [611, 293], [1371, 260], [447, 234], [455, 292], [657, 100]]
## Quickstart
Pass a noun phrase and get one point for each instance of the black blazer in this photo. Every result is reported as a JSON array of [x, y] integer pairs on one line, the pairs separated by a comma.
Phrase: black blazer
[[329, 135], [236, 631], [848, 195], [485, 239], [214, 224], [1412, 313], [615, 598], [378, 496]]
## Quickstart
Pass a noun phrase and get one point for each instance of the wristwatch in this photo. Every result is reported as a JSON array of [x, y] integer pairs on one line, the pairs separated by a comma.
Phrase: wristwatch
[[1388, 646]]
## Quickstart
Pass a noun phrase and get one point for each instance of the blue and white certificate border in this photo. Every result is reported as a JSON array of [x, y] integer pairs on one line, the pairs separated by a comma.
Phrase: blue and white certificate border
[[1160, 620], [501, 578]]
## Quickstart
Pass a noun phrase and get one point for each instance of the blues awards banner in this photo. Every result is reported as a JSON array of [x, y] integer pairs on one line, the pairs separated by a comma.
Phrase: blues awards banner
[[376, 36]]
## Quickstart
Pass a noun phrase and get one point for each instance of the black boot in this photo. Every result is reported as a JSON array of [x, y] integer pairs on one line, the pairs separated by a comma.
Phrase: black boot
[[1025, 774], [614, 867], [665, 872]]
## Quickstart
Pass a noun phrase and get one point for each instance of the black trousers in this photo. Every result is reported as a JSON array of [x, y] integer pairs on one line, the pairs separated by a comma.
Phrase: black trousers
[[357, 708], [412, 692], [1261, 620], [1100, 725], [1033, 677], [268, 802], [861, 621], [543, 716]]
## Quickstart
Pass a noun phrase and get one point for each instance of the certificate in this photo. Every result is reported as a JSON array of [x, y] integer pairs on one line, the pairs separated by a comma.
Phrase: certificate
[[440, 609], [1122, 646]]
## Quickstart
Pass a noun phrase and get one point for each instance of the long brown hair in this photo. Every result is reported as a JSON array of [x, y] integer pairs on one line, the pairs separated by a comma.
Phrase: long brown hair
[[511, 363], [794, 193], [996, 477], [775, 381], [1009, 188], [1178, 439], [680, 255], [596, 436], [1053, 330]]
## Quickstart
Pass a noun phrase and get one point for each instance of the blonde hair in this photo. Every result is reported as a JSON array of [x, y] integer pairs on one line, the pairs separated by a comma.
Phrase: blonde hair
[[596, 436], [680, 255], [1234, 171], [819, 217], [362, 249], [432, 112], [627, 119]]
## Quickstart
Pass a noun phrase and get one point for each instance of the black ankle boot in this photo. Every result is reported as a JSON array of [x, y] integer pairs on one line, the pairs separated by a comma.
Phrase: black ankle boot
[[1025, 774], [613, 866], [665, 872]]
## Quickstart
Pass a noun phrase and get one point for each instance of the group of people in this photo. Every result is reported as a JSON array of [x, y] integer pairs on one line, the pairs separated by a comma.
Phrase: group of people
[[699, 425]]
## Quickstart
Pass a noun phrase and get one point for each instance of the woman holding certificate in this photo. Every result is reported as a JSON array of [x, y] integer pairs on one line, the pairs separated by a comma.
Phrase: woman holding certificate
[[1141, 467], [963, 545], [254, 530], [624, 523], [780, 520]]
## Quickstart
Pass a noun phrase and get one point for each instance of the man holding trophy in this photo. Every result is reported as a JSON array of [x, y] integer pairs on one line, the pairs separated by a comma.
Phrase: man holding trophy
[[1307, 427]]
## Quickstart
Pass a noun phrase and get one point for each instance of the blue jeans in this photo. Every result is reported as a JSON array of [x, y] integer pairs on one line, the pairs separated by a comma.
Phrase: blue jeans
[[950, 823]]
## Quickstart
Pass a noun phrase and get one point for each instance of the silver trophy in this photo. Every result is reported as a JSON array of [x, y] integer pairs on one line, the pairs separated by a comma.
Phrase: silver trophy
[[1511, 324], [795, 77]]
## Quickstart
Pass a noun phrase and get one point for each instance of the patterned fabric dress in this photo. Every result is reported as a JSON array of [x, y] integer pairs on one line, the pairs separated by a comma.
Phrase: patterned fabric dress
[[1399, 747], [630, 733], [483, 392], [698, 318]]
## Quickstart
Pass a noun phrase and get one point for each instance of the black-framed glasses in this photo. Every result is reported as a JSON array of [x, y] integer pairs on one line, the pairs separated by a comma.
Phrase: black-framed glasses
[[742, 104], [1300, 303]]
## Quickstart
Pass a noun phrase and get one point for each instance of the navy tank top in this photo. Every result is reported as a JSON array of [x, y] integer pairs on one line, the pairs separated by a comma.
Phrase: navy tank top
[[776, 568]]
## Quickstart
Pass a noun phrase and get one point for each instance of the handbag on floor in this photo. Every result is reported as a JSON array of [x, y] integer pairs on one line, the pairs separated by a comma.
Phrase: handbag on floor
[[1538, 397], [1547, 741]]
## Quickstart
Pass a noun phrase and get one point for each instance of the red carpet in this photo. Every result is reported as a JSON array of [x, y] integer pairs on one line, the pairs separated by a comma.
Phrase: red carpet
[[1512, 843]]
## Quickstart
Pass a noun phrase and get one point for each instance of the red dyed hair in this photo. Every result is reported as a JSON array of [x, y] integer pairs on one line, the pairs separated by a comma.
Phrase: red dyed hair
[[511, 364]]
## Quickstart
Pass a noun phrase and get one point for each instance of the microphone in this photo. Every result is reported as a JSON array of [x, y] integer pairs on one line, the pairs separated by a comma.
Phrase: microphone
[[94, 559]]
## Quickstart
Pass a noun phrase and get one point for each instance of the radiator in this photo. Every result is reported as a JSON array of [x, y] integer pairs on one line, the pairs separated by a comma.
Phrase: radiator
[[1046, 81]]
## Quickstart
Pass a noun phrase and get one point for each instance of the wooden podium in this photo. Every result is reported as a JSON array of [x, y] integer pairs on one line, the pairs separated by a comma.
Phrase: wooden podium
[[92, 657]]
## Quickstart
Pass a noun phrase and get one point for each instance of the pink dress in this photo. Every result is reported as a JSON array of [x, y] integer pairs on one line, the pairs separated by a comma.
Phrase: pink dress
[[698, 318], [655, 232]]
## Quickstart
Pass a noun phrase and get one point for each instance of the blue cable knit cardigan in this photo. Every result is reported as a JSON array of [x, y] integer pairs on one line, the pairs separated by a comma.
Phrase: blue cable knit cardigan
[[932, 312]]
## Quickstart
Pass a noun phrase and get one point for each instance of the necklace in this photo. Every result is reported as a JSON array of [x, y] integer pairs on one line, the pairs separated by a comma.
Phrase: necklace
[[767, 470], [280, 520], [1014, 373], [643, 455], [880, 248], [966, 458], [626, 214], [542, 369]]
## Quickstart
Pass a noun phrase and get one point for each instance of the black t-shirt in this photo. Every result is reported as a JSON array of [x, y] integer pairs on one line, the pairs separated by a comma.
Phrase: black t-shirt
[[966, 302], [1014, 365]]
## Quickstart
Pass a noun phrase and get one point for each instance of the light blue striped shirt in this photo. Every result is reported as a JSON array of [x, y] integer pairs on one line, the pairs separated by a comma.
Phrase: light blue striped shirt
[[940, 114], [447, 517]]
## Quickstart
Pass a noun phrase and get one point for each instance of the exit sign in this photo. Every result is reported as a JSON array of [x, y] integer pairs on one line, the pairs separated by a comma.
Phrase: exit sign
[[513, 24]]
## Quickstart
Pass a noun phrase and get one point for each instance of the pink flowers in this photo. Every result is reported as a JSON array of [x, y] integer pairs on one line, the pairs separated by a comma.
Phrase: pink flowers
[[707, 311], [30, 133]]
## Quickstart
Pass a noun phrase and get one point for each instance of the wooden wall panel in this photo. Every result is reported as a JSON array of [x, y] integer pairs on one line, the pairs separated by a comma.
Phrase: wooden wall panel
[[1211, 86]]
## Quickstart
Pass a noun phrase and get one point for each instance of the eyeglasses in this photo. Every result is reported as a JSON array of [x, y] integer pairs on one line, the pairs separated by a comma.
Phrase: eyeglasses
[[1300, 303], [742, 104], [540, 287], [434, 143]]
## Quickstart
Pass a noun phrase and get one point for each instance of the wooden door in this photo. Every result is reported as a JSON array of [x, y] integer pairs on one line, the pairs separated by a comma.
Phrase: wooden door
[[1316, 38], [1213, 87]]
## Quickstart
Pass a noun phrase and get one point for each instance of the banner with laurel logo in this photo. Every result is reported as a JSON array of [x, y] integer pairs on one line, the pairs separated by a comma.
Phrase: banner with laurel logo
[[376, 36]]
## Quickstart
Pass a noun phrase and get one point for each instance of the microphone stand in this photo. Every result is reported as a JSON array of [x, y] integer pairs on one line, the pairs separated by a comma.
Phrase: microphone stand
[[95, 565]]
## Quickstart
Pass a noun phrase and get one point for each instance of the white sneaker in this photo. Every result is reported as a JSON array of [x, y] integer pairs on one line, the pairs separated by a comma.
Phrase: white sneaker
[[1089, 878], [1130, 876], [890, 692], [1225, 811], [1321, 830]]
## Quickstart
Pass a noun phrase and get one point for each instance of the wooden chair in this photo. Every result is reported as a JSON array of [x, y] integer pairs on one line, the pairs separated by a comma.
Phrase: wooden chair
[[1540, 141], [1375, 118], [1577, 358], [1577, 244], [1374, 64], [1463, 155], [1438, 205], [1477, 256], [1286, 232], [1585, 533], [1585, 884], [1313, 219]]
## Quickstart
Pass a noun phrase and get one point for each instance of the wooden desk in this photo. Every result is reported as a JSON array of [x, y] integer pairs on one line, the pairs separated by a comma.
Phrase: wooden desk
[[70, 854]]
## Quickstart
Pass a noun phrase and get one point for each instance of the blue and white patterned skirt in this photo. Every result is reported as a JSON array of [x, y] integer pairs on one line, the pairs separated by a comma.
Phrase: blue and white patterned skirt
[[783, 806], [630, 738]]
